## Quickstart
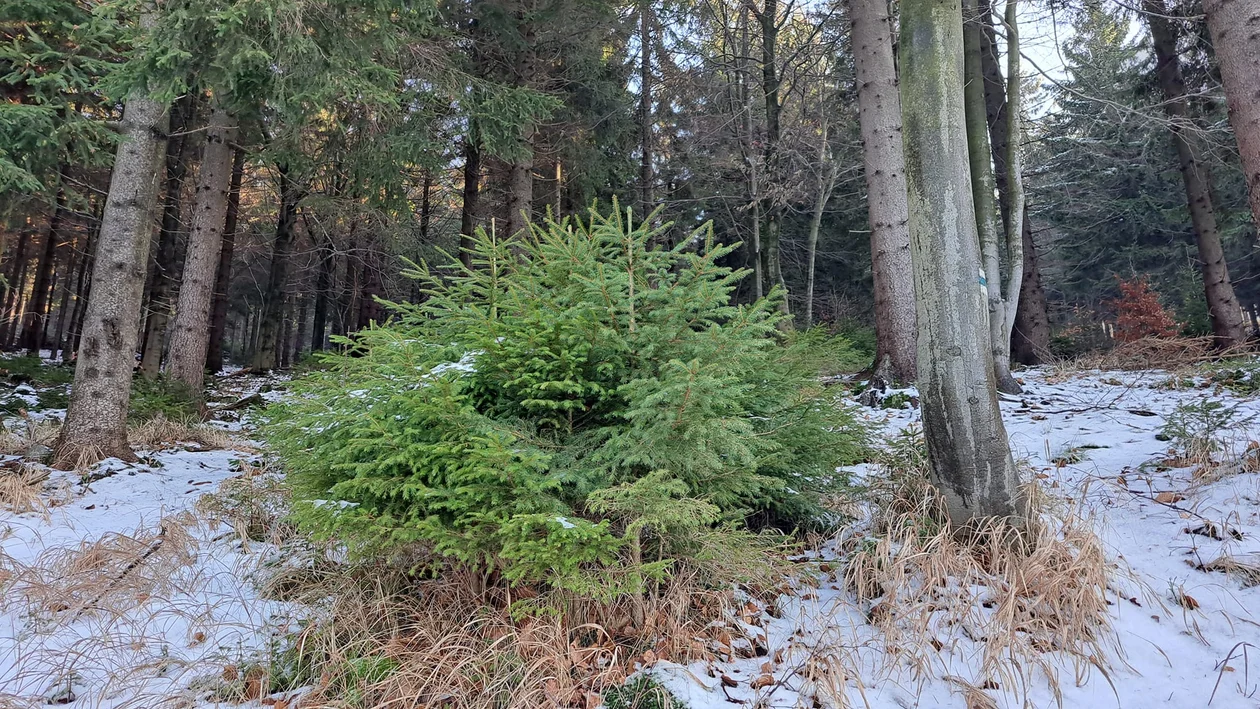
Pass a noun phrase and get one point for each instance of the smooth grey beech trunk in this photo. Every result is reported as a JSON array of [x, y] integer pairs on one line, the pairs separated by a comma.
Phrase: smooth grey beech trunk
[[1218, 290], [1235, 29], [96, 419], [190, 334], [967, 444], [879, 116]]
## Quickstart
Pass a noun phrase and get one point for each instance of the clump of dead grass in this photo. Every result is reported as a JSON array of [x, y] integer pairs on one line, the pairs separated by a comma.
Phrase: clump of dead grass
[[28, 437], [159, 432], [1172, 354], [388, 638], [111, 574], [254, 503], [1008, 596], [21, 486]]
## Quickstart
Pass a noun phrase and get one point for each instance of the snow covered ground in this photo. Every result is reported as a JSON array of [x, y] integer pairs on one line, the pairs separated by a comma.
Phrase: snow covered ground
[[124, 588]]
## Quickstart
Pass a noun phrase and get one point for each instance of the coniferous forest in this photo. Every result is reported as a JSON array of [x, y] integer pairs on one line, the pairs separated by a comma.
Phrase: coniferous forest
[[656, 353]]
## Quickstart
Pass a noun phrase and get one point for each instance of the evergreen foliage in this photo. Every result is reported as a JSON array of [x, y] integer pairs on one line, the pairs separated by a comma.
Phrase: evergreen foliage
[[577, 395]]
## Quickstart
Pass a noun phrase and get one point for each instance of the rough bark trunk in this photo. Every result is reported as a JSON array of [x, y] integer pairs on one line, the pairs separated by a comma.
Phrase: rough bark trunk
[[270, 323], [96, 420], [190, 334], [879, 116], [1235, 29], [967, 444], [1223, 308], [988, 223], [223, 276], [1030, 338], [520, 172], [299, 329], [162, 278]]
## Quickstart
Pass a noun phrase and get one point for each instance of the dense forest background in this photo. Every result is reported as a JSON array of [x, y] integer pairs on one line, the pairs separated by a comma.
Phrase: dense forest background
[[366, 133]]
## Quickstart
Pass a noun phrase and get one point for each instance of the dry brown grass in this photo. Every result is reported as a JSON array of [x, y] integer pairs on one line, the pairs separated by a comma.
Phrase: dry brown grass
[[28, 436], [1007, 597], [160, 432], [1170, 354], [20, 488], [389, 640], [1247, 572]]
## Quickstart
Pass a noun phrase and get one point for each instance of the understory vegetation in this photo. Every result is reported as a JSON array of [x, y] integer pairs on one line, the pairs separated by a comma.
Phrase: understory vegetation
[[580, 409]]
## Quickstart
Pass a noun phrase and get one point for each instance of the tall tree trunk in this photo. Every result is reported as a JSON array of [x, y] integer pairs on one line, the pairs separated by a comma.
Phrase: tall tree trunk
[[826, 183], [190, 335], [1030, 338], [270, 320], [1223, 308], [67, 290], [12, 286], [323, 289], [746, 144], [520, 183], [36, 315], [19, 306], [772, 210], [299, 328], [967, 444], [96, 420], [472, 195], [645, 108], [83, 286], [223, 276], [162, 278], [988, 222], [1235, 29], [285, 345], [879, 116]]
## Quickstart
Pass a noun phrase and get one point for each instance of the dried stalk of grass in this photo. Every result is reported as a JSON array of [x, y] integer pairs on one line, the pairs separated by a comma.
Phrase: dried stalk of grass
[[1010, 596], [160, 432], [20, 489]]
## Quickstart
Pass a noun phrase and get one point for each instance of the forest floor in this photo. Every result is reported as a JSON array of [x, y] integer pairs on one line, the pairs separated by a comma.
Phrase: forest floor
[[153, 584]]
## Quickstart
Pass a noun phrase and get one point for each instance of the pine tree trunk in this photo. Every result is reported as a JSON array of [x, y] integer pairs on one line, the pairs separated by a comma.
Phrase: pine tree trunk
[[472, 195], [967, 444], [879, 116], [162, 278], [270, 320], [772, 211], [299, 328], [32, 338], [826, 184], [645, 108], [520, 183], [988, 223], [323, 288], [12, 287], [96, 420], [19, 307], [1223, 308], [285, 346], [1235, 29], [1030, 338], [82, 287], [67, 290], [223, 276], [190, 335]]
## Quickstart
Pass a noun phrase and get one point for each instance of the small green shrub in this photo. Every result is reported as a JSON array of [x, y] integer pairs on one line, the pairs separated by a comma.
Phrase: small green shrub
[[641, 692], [1197, 429], [563, 402], [151, 398]]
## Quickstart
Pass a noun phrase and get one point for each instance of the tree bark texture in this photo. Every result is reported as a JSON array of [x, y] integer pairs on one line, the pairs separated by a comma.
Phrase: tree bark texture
[[1235, 29], [1223, 308], [270, 321], [967, 444], [32, 337], [96, 420], [879, 117], [162, 278], [223, 276], [190, 335]]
